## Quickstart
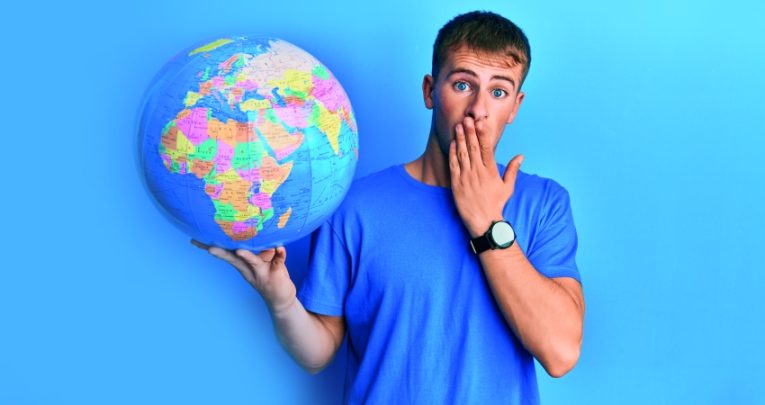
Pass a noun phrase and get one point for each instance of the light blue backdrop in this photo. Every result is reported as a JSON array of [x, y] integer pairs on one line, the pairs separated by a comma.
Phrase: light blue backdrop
[[649, 112]]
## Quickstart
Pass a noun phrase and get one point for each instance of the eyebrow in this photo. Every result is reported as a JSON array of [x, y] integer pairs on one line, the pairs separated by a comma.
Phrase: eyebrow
[[472, 73]]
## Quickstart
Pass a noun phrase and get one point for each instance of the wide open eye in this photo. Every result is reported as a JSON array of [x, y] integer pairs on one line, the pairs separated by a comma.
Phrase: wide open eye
[[461, 86], [499, 93]]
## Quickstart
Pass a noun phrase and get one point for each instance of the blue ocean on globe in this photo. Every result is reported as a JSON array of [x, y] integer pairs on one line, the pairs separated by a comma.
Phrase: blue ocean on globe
[[246, 142]]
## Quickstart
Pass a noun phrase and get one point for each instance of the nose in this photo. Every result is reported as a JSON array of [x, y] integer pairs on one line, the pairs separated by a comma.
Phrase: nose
[[477, 109]]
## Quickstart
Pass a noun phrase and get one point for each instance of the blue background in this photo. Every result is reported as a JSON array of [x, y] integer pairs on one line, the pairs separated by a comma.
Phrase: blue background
[[649, 112]]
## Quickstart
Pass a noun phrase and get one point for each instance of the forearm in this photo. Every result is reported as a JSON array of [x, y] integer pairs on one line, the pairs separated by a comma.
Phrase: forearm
[[546, 317], [303, 335]]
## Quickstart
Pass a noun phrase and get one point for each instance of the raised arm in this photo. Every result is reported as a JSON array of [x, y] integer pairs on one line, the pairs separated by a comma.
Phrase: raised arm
[[547, 314]]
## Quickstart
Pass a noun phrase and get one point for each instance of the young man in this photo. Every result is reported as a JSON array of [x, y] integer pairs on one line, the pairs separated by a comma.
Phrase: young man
[[450, 274]]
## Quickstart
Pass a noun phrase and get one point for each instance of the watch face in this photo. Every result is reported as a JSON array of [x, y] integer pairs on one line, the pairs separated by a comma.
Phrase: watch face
[[502, 234]]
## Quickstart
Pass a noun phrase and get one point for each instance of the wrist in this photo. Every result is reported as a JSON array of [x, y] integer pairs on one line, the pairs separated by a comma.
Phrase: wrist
[[480, 226], [282, 308], [499, 235]]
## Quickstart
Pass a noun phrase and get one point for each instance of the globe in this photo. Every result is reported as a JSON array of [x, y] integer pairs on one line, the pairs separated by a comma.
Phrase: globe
[[246, 142]]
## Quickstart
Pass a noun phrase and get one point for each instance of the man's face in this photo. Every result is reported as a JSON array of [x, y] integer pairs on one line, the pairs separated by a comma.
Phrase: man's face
[[477, 85]]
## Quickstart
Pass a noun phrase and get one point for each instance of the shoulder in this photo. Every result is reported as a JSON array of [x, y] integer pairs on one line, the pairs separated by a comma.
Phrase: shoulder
[[369, 191], [373, 186], [538, 201], [537, 188], [386, 176]]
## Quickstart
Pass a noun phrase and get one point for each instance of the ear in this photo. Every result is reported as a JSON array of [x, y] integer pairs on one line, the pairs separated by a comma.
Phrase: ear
[[427, 91], [518, 101]]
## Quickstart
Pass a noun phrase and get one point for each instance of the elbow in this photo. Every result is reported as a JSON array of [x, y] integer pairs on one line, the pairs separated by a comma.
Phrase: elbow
[[563, 361], [314, 369], [315, 366]]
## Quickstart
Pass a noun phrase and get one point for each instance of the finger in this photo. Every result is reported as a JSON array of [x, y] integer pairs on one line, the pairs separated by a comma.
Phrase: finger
[[266, 255], [454, 164], [200, 244], [258, 266], [471, 140], [462, 154], [511, 173], [280, 257], [487, 149], [239, 264]]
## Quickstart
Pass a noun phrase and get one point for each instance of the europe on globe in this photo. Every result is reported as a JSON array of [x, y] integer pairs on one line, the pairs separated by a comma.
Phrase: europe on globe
[[246, 142]]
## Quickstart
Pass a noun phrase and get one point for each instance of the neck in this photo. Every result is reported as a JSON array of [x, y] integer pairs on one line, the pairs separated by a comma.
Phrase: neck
[[432, 167]]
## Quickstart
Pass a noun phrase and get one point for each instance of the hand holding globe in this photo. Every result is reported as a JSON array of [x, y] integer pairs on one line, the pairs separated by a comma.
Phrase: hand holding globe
[[247, 144], [265, 271]]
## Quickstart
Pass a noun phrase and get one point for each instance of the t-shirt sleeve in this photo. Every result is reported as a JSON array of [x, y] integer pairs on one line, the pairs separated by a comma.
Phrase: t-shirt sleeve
[[553, 252], [326, 284]]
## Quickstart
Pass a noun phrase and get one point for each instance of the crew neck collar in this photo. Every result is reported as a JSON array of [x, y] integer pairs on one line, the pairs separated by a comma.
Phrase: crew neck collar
[[401, 170]]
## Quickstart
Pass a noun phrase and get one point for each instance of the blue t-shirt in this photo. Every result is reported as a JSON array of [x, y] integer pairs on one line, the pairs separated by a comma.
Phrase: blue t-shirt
[[423, 326]]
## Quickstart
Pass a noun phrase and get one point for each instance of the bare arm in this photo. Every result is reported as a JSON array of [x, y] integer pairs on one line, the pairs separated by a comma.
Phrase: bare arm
[[546, 314], [311, 339]]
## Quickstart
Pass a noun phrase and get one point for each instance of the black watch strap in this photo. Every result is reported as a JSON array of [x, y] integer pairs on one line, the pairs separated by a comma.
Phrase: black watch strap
[[480, 244]]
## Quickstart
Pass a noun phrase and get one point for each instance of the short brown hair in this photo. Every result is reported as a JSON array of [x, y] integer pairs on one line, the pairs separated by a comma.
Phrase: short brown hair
[[482, 31]]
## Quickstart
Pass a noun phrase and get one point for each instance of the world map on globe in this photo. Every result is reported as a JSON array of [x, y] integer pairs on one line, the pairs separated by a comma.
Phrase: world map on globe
[[247, 142]]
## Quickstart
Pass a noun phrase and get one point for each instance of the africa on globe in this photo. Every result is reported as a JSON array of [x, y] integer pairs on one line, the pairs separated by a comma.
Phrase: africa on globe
[[246, 142]]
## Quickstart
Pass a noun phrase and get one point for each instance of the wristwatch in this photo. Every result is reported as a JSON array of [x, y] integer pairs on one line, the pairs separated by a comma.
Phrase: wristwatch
[[499, 236]]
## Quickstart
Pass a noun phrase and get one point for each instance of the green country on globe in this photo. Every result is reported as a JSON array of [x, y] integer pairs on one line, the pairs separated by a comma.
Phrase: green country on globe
[[246, 142]]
